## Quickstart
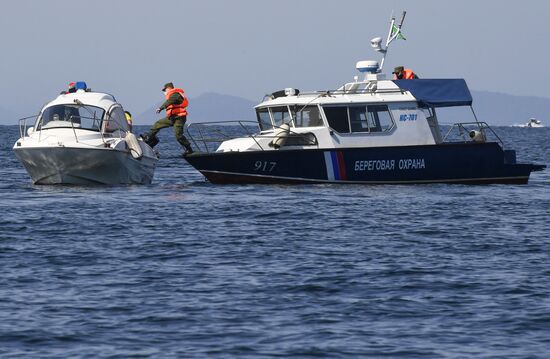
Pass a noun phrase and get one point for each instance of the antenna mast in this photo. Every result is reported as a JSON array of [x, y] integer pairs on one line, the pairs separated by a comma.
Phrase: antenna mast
[[393, 33]]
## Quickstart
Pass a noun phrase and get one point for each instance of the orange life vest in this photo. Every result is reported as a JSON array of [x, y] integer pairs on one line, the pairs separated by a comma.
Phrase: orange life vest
[[176, 109], [408, 74]]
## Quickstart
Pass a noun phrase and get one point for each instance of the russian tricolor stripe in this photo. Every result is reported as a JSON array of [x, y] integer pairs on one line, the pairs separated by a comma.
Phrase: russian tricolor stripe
[[336, 169]]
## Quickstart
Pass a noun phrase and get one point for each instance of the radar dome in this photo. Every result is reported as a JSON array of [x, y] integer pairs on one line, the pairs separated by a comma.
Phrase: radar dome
[[367, 66]]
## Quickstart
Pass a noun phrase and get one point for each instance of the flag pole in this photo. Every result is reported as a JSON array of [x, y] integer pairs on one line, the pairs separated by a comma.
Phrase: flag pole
[[392, 36], [385, 51]]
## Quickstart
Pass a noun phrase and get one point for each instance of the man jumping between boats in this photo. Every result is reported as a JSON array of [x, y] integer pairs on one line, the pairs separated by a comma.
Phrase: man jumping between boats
[[176, 114]]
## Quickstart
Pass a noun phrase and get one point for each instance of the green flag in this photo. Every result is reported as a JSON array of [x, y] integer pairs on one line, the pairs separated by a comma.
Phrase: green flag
[[395, 30]]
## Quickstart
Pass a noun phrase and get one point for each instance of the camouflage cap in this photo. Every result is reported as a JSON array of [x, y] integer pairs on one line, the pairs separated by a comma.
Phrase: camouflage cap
[[398, 69], [168, 84]]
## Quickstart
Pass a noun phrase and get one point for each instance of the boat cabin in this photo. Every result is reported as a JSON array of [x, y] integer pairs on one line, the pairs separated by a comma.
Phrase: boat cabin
[[372, 113], [84, 110]]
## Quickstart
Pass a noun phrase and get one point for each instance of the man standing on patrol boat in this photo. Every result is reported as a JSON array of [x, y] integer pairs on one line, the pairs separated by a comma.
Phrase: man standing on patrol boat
[[401, 73], [176, 114]]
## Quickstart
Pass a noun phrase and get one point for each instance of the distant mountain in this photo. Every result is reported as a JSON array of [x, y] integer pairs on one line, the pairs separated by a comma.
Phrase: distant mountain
[[502, 109], [491, 107], [494, 108], [209, 107]]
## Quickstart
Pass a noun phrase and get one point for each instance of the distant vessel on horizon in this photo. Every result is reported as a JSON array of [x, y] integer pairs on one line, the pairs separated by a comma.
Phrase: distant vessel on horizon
[[532, 123]]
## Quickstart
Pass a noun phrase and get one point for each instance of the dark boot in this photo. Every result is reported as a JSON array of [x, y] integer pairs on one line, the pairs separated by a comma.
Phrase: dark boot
[[188, 150], [151, 140]]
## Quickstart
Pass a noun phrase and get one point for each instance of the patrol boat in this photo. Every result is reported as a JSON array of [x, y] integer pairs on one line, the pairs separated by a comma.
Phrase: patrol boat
[[83, 138], [371, 130]]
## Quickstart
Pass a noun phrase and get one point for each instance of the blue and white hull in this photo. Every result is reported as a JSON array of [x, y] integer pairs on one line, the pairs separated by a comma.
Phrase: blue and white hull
[[469, 163]]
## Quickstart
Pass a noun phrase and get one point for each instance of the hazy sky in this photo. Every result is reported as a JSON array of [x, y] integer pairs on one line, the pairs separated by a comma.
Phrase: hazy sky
[[248, 48]]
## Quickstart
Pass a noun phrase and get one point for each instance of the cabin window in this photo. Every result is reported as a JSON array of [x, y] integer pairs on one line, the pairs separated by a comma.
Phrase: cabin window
[[358, 119], [308, 116], [115, 121], [263, 119], [280, 115], [337, 118], [379, 118], [69, 115]]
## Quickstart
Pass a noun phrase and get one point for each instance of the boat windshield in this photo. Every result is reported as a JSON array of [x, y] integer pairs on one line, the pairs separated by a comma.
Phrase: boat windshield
[[264, 121], [69, 115], [280, 115]]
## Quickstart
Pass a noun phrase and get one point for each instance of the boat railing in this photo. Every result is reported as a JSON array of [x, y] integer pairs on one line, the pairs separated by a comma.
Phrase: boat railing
[[23, 126], [351, 88], [75, 124], [205, 135], [77, 120], [472, 131]]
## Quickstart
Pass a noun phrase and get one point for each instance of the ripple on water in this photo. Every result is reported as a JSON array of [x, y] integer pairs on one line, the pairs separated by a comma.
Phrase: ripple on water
[[183, 268]]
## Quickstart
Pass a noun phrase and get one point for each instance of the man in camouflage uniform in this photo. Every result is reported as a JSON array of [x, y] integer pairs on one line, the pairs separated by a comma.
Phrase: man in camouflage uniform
[[176, 114]]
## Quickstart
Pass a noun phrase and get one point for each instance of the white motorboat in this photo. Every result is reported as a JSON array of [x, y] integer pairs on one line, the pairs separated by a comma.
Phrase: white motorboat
[[533, 122], [83, 138]]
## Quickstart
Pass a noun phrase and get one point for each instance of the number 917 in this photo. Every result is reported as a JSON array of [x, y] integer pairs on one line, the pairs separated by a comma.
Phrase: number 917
[[264, 166]]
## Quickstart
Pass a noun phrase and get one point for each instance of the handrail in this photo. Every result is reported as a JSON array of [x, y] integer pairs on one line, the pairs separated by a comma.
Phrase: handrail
[[206, 140], [252, 136], [96, 124], [23, 125], [364, 90], [482, 126], [73, 117], [72, 126], [343, 91]]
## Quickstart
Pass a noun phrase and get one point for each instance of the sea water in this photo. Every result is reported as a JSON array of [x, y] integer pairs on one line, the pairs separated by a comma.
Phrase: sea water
[[183, 268]]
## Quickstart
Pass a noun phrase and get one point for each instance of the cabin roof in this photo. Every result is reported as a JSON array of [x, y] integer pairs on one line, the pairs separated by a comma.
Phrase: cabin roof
[[427, 92], [386, 91], [438, 92], [98, 99]]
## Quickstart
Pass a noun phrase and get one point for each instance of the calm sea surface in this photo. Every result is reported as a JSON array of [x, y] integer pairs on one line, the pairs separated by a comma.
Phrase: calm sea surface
[[182, 268]]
